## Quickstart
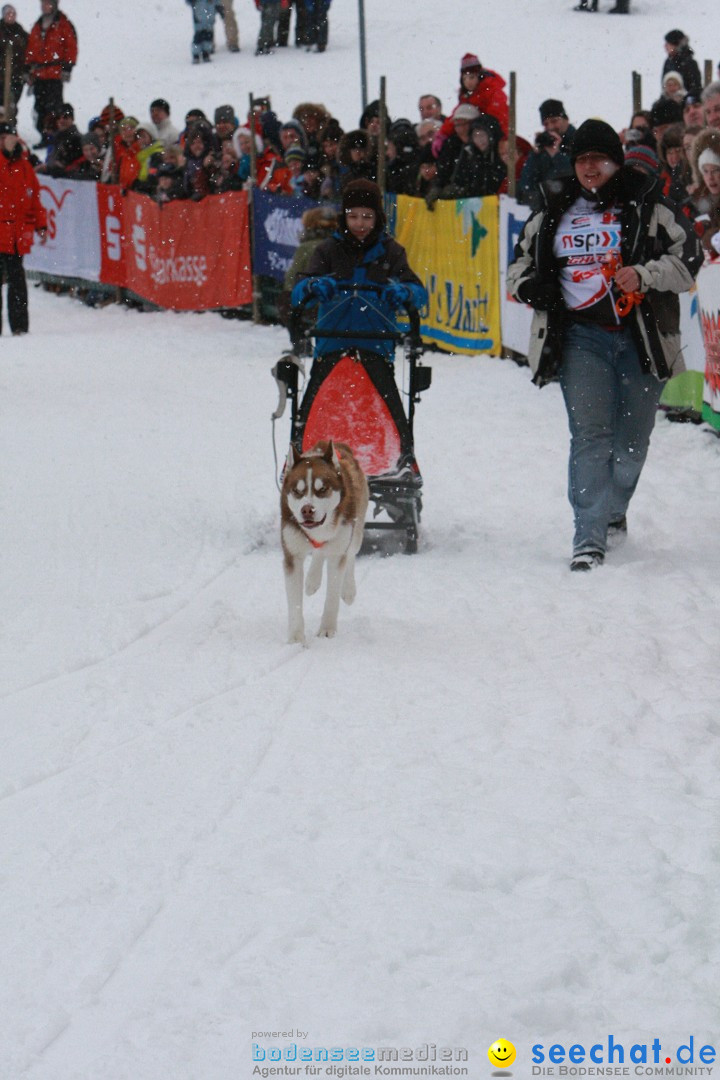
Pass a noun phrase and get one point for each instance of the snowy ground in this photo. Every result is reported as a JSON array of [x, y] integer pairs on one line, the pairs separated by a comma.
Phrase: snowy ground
[[487, 808]]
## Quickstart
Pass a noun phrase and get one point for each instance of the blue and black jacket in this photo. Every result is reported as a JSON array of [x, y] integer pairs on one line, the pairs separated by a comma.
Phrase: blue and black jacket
[[379, 261]]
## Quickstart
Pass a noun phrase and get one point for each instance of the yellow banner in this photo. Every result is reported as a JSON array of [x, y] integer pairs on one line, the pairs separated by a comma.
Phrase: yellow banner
[[454, 250]]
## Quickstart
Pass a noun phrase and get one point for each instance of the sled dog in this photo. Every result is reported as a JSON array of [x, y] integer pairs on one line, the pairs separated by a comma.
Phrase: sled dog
[[322, 505]]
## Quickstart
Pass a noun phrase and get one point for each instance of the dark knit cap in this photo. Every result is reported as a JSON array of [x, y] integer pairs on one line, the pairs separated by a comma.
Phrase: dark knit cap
[[596, 135], [224, 114], [552, 107], [6, 128], [332, 132], [160, 103], [665, 111], [370, 112], [675, 37], [364, 193]]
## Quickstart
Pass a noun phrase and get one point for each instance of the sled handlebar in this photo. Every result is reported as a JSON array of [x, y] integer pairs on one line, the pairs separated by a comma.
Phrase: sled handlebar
[[351, 289]]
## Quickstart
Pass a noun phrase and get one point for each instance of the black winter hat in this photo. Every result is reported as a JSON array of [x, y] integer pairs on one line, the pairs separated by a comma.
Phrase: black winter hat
[[160, 103], [332, 132], [552, 107], [224, 114], [370, 112], [598, 136], [675, 37], [665, 111], [7, 128], [364, 193]]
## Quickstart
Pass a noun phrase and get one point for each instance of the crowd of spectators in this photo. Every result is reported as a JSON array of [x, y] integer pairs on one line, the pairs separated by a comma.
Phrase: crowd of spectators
[[461, 153]]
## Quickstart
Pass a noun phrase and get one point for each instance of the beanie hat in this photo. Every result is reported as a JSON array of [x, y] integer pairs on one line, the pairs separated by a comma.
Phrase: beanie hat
[[644, 157], [294, 153], [224, 114], [7, 128], [105, 115], [673, 75], [470, 62], [296, 126], [150, 128], [675, 37], [129, 121], [364, 193], [466, 112], [91, 139], [66, 110], [370, 112], [332, 132], [707, 157], [596, 135], [666, 111], [552, 107], [160, 103]]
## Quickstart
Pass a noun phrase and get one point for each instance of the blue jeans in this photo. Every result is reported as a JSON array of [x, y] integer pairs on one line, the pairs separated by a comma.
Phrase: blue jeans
[[204, 12], [611, 404]]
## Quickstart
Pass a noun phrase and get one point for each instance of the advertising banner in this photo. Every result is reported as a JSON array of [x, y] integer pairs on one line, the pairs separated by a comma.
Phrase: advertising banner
[[184, 256], [72, 248], [277, 225], [708, 288], [454, 250]]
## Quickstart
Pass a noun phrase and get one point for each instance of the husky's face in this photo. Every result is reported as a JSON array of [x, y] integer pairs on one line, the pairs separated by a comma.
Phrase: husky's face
[[314, 491]]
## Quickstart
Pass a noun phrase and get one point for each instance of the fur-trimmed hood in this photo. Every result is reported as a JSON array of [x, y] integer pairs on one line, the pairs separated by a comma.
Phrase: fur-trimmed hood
[[708, 139]]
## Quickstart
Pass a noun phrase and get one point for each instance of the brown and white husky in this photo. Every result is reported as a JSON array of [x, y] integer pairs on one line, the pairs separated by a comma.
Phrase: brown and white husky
[[323, 503]]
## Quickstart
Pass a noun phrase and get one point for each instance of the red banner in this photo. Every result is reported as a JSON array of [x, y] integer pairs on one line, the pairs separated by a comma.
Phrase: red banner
[[185, 256]]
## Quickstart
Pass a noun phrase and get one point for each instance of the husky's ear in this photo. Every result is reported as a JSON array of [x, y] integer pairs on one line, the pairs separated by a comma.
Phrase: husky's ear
[[293, 455], [331, 455]]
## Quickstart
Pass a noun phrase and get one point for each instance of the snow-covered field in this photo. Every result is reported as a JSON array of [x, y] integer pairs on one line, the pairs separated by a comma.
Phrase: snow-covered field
[[487, 808]]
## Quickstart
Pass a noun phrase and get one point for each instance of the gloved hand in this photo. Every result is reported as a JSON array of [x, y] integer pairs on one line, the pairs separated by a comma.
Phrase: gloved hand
[[396, 294], [539, 294], [324, 288]]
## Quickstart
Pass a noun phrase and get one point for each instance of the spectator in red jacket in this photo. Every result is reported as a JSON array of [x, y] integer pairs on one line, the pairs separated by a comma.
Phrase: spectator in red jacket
[[483, 90], [21, 215], [49, 59]]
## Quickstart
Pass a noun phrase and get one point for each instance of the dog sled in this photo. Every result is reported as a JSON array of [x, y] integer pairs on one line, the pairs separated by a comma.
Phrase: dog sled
[[352, 397]]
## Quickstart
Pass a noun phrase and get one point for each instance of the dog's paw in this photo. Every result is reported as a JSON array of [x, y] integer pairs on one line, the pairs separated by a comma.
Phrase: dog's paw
[[326, 630], [314, 577], [296, 636]]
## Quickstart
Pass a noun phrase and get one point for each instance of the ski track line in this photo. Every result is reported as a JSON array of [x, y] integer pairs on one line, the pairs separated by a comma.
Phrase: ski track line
[[248, 682], [139, 934], [185, 860], [97, 662]]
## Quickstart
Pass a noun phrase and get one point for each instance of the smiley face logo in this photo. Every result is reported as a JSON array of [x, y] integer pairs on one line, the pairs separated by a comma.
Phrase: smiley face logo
[[501, 1053]]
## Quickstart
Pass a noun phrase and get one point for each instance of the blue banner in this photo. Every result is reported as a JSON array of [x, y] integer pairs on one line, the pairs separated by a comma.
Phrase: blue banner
[[277, 227]]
